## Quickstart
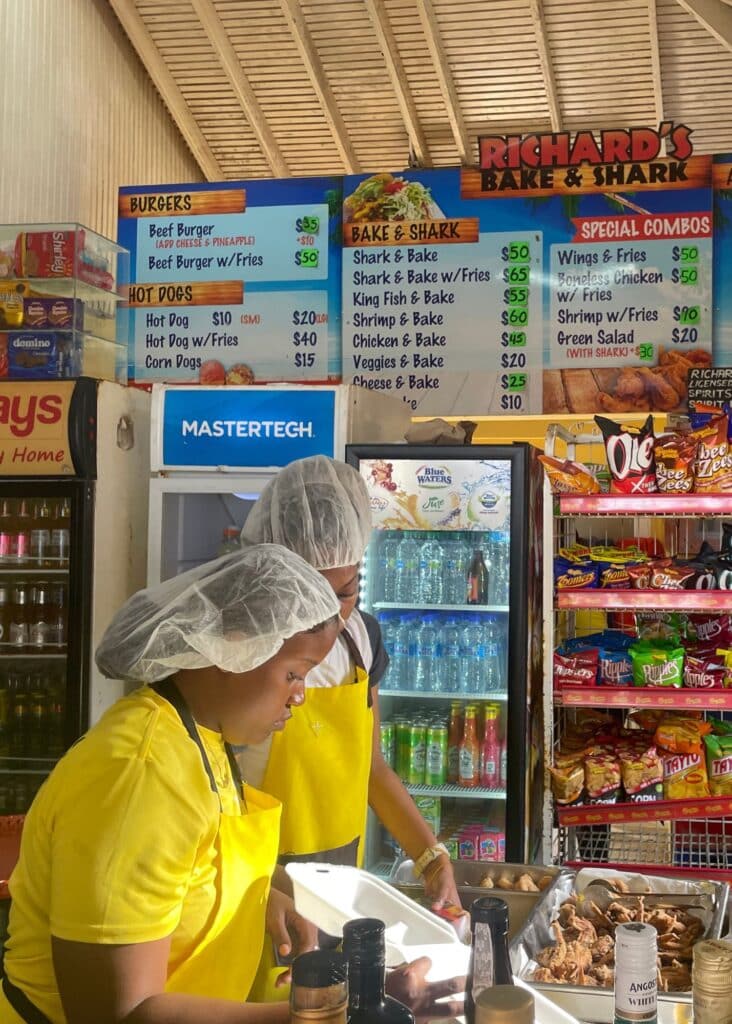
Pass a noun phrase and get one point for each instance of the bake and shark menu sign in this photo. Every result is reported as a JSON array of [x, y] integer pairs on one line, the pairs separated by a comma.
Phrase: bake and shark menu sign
[[234, 283]]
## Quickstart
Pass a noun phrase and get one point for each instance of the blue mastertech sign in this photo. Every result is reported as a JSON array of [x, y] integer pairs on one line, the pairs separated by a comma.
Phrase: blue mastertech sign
[[223, 427]]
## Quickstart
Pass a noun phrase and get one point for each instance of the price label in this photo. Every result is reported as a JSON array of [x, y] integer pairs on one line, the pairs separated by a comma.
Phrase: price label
[[645, 351], [304, 359], [307, 258], [685, 335], [511, 360], [686, 253], [514, 339], [685, 275], [310, 225], [517, 296], [513, 381], [515, 316], [517, 274], [687, 314], [516, 252], [305, 338]]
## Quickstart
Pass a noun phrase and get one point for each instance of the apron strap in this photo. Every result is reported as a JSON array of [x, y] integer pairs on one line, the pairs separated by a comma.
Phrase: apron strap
[[170, 692], [353, 649], [22, 1005]]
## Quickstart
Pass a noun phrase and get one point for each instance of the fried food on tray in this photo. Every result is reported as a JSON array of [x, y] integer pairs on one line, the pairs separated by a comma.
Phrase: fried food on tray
[[584, 948], [525, 883]]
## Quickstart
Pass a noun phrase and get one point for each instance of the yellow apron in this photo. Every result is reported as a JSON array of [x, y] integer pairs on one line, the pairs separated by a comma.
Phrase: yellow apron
[[225, 962], [319, 768]]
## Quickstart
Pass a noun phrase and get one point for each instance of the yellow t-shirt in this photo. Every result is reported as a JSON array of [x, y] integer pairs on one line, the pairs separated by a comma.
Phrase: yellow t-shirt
[[118, 846]]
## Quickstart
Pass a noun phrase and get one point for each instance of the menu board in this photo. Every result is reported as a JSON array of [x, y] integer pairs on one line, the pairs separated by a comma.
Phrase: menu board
[[722, 318], [234, 283]]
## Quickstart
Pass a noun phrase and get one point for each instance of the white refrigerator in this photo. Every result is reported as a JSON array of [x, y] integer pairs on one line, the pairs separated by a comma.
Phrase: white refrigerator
[[214, 449]]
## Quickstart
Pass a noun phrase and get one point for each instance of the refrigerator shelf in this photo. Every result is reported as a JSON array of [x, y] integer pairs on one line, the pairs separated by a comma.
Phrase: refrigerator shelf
[[652, 600], [460, 792], [676, 505], [31, 570], [499, 696], [9, 655], [418, 607], [657, 810], [643, 697]]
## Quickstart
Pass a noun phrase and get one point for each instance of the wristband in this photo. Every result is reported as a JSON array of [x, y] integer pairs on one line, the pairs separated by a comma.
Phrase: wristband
[[428, 857]]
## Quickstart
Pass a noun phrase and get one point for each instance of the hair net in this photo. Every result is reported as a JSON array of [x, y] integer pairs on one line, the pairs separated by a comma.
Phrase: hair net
[[235, 612], [317, 507]]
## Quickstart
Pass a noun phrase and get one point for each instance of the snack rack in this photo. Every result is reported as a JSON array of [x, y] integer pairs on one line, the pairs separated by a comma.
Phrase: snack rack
[[62, 313], [684, 837]]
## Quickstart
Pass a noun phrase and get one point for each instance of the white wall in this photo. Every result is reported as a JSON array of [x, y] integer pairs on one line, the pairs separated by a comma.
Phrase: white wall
[[78, 116]]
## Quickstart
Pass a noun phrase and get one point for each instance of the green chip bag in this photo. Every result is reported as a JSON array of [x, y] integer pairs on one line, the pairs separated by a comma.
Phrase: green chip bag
[[657, 663], [719, 764]]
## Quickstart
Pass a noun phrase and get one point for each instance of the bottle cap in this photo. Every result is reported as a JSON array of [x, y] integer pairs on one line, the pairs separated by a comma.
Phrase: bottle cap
[[636, 945], [364, 940], [319, 969], [490, 910], [504, 1004], [712, 967]]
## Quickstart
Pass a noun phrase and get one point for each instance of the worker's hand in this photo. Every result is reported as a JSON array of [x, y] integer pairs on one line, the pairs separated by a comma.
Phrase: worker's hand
[[439, 883], [408, 984], [289, 931]]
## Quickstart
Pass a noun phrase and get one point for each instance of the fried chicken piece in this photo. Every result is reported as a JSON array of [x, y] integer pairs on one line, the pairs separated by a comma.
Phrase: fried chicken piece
[[676, 978], [486, 882], [609, 403], [581, 930], [660, 391], [630, 384], [543, 974], [553, 957], [603, 975], [544, 882], [505, 881], [603, 948], [525, 883], [600, 919], [620, 914]]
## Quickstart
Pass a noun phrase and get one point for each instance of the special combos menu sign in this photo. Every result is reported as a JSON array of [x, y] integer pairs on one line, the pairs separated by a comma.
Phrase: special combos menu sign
[[439, 308], [234, 283]]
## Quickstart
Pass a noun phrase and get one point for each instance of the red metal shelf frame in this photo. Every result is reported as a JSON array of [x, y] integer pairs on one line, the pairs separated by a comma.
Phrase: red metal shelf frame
[[671, 698], [657, 810], [650, 600], [645, 504]]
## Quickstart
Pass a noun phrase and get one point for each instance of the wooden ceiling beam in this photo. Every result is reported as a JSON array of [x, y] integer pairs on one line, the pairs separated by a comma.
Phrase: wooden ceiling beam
[[400, 83], [545, 60], [655, 61], [218, 37], [441, 67], [319, 81], [144, 45], [715, 17]]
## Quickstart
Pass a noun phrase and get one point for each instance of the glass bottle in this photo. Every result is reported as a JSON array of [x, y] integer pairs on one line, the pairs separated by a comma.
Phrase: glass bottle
[[504, 1004], [636, 948], [229, 541], [61, 534], [20, 545], [5, 615], [40, 626], [364, 948], [490, 752], [711, 982], [469, 751], [477, 579], [489, 962], [18, 633], [8, 530], [40, 535], [319, 988], [454, 737], [59, 616]]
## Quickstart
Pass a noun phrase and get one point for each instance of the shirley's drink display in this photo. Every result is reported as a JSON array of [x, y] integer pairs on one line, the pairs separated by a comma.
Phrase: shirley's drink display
[[469, 751], [364, 948], [489, 961]]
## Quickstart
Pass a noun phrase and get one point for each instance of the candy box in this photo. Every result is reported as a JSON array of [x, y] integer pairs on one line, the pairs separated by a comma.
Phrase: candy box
[[44, 355], [57, 312]]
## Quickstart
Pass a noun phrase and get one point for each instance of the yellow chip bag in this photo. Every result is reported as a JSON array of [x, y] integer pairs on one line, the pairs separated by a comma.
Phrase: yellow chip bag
[[685, 777]]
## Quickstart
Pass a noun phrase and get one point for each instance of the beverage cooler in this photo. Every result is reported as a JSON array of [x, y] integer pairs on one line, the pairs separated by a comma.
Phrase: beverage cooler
[[214, 449], [452, 573], [73, 519]]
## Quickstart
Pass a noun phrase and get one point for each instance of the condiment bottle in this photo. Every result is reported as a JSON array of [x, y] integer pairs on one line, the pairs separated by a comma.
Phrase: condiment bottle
[[364, 948], [319, 989], [454, 736], [504, 1004], [489, 962], [711, 982], [469, 751], [477, 580], [636, 951], [18, 632], [20, 545], [490, 751]]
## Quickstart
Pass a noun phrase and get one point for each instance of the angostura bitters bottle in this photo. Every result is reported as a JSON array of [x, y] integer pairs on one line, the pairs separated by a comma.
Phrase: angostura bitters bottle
[[489, 962], [319, 988], [365, 950], [636, 947]]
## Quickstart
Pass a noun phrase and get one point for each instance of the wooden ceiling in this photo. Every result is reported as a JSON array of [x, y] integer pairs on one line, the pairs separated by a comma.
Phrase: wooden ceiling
[[277, 88]]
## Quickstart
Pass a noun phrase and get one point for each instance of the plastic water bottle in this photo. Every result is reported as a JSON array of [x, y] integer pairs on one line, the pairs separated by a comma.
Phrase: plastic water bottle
[[500, 548], [431, 556], [469, 682], [399, 675], [388, 626], [407, 565], [493, 665], [387, 561], [451, 654], [456, 563], [463, 555], [427, 666]]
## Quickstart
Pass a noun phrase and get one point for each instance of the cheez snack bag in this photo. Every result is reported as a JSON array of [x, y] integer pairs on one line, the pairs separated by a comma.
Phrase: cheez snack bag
[[675, 455], [713, 468], [630, 456]]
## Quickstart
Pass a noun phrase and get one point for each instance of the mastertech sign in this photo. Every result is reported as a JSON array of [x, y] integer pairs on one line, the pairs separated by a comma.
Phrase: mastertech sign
[[234, 427]]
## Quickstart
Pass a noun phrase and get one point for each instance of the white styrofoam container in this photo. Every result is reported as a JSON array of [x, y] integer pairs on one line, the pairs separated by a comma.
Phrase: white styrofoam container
[[331, 895]]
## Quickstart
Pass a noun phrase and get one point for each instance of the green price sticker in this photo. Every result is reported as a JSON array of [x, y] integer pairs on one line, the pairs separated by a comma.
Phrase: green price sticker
[[687, 314], [513, 381], [515, 316], [517, 274], [513, 339], [516, 252], [686, 253], [307, 258], [645, 351], [685, 275], [311, 225], [516, 296]]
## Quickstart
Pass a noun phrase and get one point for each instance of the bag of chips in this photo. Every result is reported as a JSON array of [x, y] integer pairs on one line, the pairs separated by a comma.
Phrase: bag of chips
[[567, 477], [667, 576], [602, 779], [657, 663], [630, 458], [713, 467], [679, 735], [719, 764], [675, 455], [685, 776], [704, 673], [708, 629], [577, 668], [567, 783], [641, 771], [574, 574]]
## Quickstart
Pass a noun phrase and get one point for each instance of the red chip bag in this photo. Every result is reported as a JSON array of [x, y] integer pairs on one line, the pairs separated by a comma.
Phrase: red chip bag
[[675, 456], [576, 669], [630, 456]]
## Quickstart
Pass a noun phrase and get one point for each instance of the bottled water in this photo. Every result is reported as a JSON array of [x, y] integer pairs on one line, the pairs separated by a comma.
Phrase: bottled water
[[451, 654], [469, 668], [456, 562], [427, 674], [493, 661], [388, 629], [407, 565], [399, 674], [431, 556], [387, 560], [500, 548]]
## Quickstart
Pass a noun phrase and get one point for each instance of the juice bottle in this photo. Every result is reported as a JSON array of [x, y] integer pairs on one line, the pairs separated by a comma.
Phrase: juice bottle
[[490, 753], [469, 753], [61, 534], [20, 545], [40, 536], [454, 736], [7, 531]]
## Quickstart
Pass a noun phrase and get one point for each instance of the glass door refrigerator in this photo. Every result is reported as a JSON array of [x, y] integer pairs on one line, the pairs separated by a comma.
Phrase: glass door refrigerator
[[453, 574], [73, 471]]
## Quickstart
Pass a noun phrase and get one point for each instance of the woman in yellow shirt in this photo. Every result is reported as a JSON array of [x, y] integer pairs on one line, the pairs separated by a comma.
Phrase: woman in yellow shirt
[[144, 876]]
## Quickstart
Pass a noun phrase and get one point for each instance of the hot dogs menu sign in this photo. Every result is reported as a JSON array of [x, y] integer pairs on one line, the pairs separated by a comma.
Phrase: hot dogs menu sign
[[567, 273]]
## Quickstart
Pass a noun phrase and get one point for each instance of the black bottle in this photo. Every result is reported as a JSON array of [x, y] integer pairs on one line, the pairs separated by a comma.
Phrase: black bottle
[[489, 963], [364, 949], [319, 989], [477, 580]]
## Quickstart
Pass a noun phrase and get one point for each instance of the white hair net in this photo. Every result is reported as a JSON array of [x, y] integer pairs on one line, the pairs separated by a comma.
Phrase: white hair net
[[235, 612], [317, 507]]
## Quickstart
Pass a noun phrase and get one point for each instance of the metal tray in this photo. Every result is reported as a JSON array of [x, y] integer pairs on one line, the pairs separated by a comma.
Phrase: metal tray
[[468, 875], [592, 1004]]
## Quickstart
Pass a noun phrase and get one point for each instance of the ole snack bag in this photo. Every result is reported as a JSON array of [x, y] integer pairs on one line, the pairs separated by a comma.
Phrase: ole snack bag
[[630, 456]]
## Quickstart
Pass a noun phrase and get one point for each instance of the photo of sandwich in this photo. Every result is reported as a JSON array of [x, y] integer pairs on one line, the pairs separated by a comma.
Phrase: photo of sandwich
[[387, 197]]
